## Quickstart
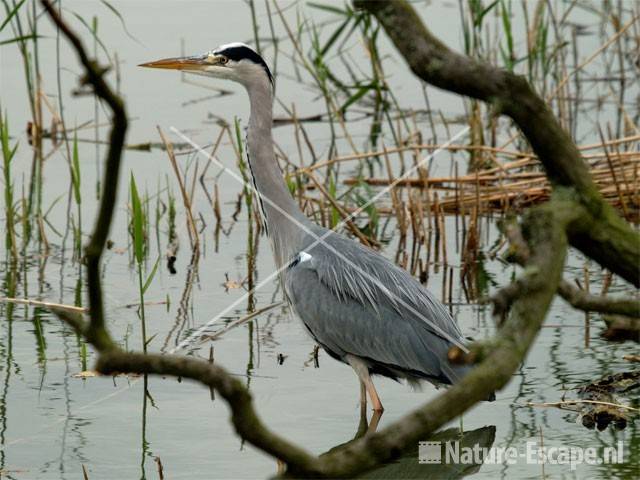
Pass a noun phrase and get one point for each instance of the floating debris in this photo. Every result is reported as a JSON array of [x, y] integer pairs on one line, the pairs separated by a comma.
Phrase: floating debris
[[604, 408], [599, 404]]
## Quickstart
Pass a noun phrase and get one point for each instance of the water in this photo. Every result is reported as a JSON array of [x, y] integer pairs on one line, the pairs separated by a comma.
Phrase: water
[[52, 423]]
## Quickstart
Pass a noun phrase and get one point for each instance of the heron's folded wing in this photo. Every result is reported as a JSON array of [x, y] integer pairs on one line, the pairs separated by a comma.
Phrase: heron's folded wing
[[365, 324], [350, 270]]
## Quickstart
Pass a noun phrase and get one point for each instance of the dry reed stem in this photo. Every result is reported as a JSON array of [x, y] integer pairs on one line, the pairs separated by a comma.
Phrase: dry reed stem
[[345, 216], [38, 303], [193, 233]]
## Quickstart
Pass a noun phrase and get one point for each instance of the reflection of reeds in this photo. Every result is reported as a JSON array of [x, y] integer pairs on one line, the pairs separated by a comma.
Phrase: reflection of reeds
[[172, 243], [184, 304]]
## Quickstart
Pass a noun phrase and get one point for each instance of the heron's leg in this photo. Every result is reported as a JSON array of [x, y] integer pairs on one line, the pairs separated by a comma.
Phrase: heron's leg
[[363, 394], [362, 370], [363, 407], [375, 399], [375, 419], [363, 423]]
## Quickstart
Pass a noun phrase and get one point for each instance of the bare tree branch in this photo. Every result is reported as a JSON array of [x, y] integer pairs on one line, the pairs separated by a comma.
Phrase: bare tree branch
[[243, 416], [113, 359], [600, 233], [595, 303], [519, 253], [498, 358], [96, 332]]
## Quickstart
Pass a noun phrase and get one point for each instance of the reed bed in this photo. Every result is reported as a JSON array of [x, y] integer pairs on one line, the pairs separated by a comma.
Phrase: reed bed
[[519, 183]]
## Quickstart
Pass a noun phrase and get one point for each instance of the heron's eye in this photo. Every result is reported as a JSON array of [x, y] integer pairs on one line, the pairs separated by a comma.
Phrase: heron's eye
[[223, 60]]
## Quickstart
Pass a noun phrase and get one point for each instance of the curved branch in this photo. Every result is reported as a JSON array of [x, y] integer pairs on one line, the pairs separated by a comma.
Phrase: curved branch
[[544, 232], [245, 419], [594, 303], [601, 234], [519, 253], [96, 331], [113, 359]]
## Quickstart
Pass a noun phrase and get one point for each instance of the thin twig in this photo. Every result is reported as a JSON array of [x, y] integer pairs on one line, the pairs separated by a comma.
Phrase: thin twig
[[578, 402], [240, 321], [38, 303]]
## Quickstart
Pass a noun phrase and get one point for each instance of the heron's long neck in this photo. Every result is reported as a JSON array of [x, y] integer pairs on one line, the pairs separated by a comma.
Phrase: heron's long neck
[[281, 214]]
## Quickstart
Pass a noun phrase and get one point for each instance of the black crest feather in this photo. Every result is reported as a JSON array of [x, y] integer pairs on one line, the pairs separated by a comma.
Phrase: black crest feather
[[239, 52]]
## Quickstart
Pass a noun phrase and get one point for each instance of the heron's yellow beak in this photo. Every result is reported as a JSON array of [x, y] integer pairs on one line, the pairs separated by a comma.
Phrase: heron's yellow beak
[[198, 62]]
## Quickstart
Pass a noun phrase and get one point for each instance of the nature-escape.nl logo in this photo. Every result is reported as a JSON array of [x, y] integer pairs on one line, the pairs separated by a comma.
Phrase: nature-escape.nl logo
[[533, 454]]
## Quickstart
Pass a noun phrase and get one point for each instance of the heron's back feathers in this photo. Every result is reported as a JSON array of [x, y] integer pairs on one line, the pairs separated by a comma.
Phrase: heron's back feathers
[[354, 301]]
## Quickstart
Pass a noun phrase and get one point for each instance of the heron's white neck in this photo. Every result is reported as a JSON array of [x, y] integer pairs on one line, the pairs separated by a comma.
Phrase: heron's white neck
[[280, 211]]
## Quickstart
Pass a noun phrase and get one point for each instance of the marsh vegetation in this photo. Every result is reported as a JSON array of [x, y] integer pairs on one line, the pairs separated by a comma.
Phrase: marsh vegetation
[[422, 175]]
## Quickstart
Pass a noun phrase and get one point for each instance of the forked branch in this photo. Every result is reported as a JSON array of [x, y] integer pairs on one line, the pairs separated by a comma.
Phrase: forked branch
[[600, 233]]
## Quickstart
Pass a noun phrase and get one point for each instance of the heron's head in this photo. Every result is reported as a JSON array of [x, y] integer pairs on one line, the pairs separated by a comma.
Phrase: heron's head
[[234, 61]]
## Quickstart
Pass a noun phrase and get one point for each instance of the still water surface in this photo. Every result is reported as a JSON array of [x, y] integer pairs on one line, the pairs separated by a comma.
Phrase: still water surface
[[52, 423]]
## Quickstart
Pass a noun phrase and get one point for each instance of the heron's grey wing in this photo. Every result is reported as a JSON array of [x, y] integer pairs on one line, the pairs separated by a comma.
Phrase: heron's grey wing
[[352, 270], [345, 326], [357, 303]]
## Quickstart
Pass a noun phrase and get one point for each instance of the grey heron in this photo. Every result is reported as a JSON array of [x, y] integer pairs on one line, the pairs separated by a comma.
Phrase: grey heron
[[361, 308]]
